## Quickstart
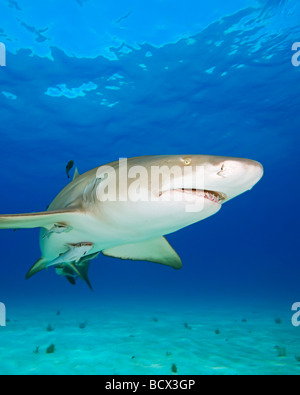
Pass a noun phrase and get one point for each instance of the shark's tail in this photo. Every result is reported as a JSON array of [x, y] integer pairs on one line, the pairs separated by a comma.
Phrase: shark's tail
[[47, 220], [68, 270]]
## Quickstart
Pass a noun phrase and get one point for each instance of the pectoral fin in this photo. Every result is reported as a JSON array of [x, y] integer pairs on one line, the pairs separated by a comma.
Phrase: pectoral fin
[[40, 265], [44, 219], [157, 251]]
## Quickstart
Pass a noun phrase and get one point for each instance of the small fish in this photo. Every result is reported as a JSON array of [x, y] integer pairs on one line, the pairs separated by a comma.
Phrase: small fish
[[123, 17], [69, 167], [57, 228], [74, 254]]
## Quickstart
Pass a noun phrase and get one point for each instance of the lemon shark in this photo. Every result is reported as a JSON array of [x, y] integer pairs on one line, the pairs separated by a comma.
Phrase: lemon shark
[[124, 213]]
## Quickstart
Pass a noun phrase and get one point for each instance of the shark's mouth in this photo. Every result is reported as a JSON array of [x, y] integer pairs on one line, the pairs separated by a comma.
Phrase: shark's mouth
[[213, 196]]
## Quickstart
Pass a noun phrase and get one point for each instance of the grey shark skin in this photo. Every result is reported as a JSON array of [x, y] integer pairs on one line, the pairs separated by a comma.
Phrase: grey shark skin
[[129, 229]]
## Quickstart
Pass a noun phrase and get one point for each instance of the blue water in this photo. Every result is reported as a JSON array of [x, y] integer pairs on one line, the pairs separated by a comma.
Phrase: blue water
[[95, 81]]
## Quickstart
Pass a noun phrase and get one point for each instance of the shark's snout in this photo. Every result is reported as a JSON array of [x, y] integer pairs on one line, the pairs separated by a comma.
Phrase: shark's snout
[[253, 173], [215, 179], [258, 171], [239, 176]]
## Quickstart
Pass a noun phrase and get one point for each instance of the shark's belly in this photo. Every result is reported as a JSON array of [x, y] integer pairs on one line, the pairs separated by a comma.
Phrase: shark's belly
[[102, 237]]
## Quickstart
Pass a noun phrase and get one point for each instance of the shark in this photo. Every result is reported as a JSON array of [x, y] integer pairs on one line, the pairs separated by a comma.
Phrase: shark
[[122, 211]]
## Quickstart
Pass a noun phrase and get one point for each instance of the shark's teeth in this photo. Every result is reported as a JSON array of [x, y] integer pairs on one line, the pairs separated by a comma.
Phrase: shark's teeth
[[215, 197], [212, 197]]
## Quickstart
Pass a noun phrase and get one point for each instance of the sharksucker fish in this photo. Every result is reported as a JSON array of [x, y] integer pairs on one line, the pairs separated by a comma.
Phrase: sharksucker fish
[[84, 219], [69, 167]]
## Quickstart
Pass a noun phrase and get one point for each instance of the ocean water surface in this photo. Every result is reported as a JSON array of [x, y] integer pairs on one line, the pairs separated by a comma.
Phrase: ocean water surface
[[94, 81]]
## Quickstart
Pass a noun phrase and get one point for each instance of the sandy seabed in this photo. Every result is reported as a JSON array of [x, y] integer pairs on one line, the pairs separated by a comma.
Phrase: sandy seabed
[[148, 340]]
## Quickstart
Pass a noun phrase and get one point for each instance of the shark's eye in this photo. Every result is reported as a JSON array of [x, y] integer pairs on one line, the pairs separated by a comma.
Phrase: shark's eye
[[220, 173], [187, 161]]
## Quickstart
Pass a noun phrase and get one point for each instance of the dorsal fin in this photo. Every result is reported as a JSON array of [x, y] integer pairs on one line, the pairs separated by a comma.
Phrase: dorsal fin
[[76, 174]]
